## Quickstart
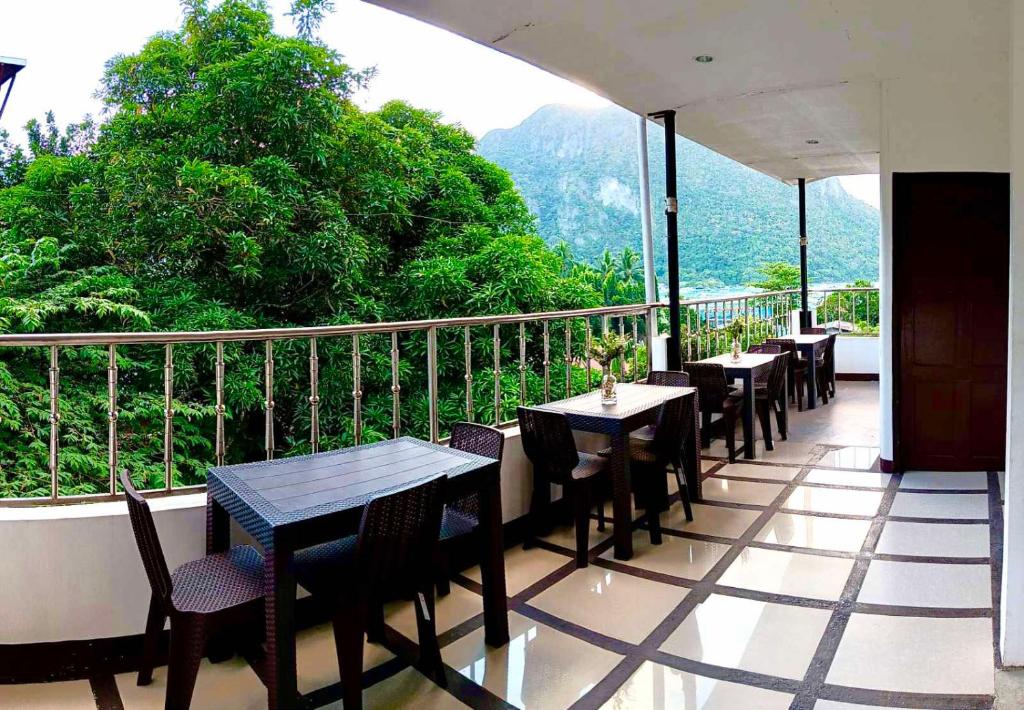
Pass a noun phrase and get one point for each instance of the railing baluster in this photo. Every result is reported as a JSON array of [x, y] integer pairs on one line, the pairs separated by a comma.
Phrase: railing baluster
[[112, 443], [467, 356], [522, 364], [497, 374], [588, 341], [268, 399], [168, 416], [396, 390], [622, 357], [357, 391], [314, 397], [568, 357], [649, 320], [219, 387], [636, 346], [54, 422], [432, 414], [547, 363]]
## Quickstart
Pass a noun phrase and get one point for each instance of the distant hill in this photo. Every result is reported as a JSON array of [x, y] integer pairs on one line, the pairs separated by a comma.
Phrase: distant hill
[[577, 169]]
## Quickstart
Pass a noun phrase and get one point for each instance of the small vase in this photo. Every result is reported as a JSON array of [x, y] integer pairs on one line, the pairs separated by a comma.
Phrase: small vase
[[608, 381], [736, 351]]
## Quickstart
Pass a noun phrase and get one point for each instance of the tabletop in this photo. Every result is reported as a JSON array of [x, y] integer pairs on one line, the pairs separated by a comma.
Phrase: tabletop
[[632, 398], [303, 487], [807, 338], [747, 360]]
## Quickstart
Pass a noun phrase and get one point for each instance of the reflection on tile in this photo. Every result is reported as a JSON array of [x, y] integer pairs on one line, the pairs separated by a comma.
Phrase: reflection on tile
[[707, 464], [938, 480], [677, 556], [815, 532], [659, 687], [317, 659], [710, 520], [450, 611], [864, 479], [612, 603], [67, 695], [539, 667], [230, 684], [915, 655], [926, 584], [934, 539], [797, 452], [861, 457], [834, 500], [565, 535], [408, 688], [750, 470], [524, 567], [742, 633], [790, 573], [940, 505], [740, 491]]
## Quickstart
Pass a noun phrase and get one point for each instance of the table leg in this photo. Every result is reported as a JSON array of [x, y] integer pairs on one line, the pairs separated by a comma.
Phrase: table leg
[[691, 455], [784, 407], [812, 380], [622, 495], [748, 415], [280, 675], [218, 529], [492, 566]]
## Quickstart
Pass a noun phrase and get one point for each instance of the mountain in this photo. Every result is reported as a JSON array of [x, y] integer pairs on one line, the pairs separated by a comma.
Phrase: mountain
[[577, 169]]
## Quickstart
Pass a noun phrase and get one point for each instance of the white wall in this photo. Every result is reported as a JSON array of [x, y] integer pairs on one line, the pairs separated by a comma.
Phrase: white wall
[[942, 123], [857, 355]]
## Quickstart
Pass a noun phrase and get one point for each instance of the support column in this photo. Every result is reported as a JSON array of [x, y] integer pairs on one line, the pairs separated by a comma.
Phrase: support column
[[650, 279], [805, 314], [674, 359]]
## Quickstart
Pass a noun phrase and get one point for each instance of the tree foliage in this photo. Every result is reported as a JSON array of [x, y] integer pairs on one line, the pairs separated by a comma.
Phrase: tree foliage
[[233, 184]]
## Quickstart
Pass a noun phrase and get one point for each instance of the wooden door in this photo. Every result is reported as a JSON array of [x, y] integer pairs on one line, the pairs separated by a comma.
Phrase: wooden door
[[950, 301]]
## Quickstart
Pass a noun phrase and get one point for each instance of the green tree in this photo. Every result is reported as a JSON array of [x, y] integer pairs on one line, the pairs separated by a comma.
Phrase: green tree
[[777, 276]]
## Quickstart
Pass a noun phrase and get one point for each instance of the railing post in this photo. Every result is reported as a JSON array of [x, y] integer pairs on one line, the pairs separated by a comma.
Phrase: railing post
[[522, 364], [54, 422], [622, 357], [112, 442], [219, 387], [568, 357], [497, 374], [314, 397], [547, 363], [588, 341], [357, 391], [652, 319], [396, 389], [168, 416], [467, 355], [268, 399], [636, 346], [432, 383]]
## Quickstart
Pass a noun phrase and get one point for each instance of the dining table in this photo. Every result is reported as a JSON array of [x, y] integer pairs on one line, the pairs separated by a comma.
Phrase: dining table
[[294, 503], [811, 346], [749, 368], [636, 406]]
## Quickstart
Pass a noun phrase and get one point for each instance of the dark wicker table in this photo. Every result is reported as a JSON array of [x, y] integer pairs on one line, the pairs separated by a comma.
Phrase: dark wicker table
[[751, 366], [293, 503], [810, 347], [637, 407]]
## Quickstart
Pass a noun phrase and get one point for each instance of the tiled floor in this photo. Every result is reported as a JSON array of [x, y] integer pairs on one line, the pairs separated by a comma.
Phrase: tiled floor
[[807, 580]]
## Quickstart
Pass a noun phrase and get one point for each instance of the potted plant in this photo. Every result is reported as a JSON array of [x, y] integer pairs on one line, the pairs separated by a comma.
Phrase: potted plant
[[735, 330], [605, 350]]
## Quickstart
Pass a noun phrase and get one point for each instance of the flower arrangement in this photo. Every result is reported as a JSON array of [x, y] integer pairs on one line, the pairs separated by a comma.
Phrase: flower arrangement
[[735, 329], [608, 348]]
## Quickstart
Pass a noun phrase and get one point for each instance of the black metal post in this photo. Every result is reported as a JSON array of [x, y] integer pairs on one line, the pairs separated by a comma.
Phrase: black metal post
[[674, 360], [805, 314]]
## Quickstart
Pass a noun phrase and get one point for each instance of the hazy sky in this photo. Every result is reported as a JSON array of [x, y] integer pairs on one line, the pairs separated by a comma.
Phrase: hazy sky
[[66, 43]]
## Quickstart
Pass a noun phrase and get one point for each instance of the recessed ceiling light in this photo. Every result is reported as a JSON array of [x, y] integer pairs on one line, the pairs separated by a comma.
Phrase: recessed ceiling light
[[704, 58], [812, 141]]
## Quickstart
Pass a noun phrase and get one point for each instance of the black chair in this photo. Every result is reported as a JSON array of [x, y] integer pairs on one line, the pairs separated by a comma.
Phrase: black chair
[[202, 597], [390, 557], [549, 444], [666, 378], [825, 368], [462, 517], [715, 397], [798, 368]]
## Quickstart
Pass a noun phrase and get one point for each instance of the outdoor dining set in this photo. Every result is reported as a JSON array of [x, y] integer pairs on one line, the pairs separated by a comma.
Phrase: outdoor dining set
[[360, 526]]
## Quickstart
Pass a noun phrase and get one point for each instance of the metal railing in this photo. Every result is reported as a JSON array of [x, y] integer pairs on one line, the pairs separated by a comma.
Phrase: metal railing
[[703, 320]]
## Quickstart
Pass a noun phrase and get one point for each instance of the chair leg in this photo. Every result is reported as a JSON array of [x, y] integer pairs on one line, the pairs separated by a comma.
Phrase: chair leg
[[762, 406], [430, 663], [780, 419], [537, 508], [348, 640], [657, 493], [187, 640], [684, 490], [800, 393], [600, 514], [730, 436], [151, 641], [375, 623], [705, 429], [581, 501], [443, 574]]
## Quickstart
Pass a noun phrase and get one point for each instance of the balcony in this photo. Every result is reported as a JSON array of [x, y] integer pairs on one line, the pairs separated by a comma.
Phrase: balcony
[[879, 588]]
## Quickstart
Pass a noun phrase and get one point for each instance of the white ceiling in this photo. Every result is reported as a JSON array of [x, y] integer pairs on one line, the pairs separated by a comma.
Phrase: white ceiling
[[784, 71]]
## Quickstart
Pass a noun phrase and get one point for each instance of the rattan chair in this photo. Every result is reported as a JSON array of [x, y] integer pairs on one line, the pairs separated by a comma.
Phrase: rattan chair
[[825, 369], [201, 597], [462, 517], [797, 370], [770, 396], [666, 378], [715, 397], [391, 557], [813, 331], [549, 444]]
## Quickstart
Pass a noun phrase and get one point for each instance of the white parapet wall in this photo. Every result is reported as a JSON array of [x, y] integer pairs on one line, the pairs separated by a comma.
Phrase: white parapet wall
[[857, 355], [72, 572]]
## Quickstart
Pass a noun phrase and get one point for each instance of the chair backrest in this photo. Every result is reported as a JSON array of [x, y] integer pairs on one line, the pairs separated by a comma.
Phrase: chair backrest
[[788, 345], [482, 441], [829, 355], [668, 378], [674, 422], [548, 443], [712, 386], [777, 375], [766, 348], [813, 331], [147, 541], [398, 536]]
